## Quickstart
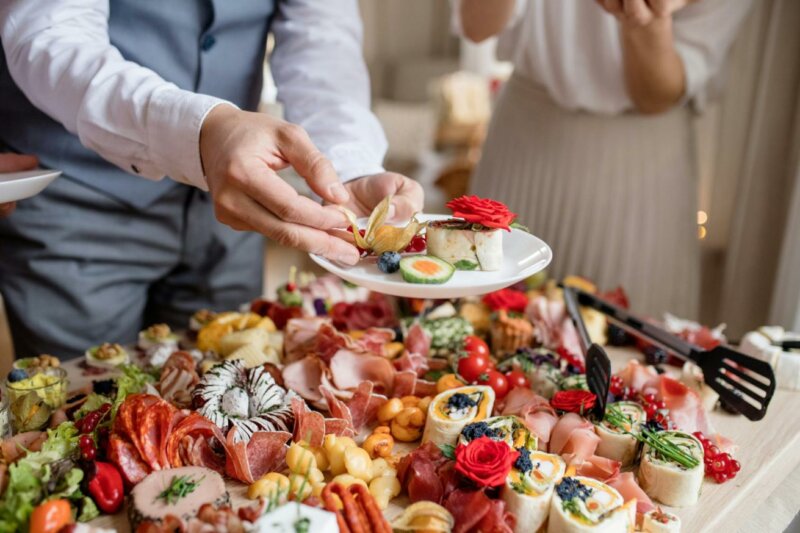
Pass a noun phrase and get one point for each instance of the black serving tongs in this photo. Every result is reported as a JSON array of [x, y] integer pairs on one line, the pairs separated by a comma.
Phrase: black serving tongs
[[598, 366], [744, 383]]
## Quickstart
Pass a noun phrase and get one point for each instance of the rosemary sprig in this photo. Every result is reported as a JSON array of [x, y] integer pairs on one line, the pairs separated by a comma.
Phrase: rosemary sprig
[[179, 487], [653, 439]]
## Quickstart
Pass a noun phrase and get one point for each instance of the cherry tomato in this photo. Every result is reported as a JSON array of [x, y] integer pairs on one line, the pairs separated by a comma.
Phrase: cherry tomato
[[517, 378], [51, 516], [472, 366], [497, 381], [476, 345]]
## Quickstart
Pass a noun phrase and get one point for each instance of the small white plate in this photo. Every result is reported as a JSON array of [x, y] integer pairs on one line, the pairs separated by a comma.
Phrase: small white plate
[[523, 255], [20, 185]]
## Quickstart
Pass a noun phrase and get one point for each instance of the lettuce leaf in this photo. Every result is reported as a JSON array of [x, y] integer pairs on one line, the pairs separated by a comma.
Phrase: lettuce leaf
[[93, 401]]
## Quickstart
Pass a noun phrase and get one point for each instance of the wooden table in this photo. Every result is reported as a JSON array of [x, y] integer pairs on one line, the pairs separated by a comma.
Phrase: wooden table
[[769, 451]]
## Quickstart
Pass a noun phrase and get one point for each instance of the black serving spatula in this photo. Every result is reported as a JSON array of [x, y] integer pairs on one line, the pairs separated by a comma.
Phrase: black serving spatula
[[744, 383], [598, 366]]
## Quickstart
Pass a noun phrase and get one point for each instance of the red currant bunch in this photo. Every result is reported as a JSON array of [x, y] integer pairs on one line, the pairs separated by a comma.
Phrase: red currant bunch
[[718, 464], [571, 360], [616, 386], [88, 423], [418, 244], [87, 447], [653, 406]]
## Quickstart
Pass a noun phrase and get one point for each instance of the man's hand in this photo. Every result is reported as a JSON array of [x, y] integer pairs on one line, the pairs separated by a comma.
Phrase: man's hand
[[368, 191], [241, 154], [15, 163]]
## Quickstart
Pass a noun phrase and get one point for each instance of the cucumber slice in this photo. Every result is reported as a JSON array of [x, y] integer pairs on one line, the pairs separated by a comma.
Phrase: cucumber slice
[[426, 269]]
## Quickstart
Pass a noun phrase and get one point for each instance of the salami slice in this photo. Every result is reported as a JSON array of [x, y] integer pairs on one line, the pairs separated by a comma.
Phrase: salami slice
[[151, 435], [338, 427], [195, 425], [266, 452], [141, 404], [236, 465], [126, 457], [308, 425], [364, 405], [336, 407]]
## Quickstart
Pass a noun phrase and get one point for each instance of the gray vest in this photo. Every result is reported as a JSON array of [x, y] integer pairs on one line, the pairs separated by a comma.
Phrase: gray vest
[[213, 47]]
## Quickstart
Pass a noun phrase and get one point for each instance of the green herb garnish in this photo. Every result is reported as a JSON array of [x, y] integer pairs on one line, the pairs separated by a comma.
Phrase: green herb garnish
[[448, 450], [179, 487], [573, 508], [653, 439], [302, 525]]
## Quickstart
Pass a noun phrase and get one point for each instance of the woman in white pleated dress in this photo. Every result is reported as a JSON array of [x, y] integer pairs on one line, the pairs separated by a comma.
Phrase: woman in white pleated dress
[[591, 141]]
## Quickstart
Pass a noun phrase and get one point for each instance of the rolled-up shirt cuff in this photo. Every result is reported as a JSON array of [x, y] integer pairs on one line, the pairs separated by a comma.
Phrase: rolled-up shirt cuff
[[174, 122], [354, 160]]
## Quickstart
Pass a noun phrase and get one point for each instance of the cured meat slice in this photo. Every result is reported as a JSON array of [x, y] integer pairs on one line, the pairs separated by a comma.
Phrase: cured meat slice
[[236, 458], [19, 445], [599, 468], [266, 452], [150, 437], [364, 405], [685, 406], [474, 511], [178, 379], [419, 473], [329, 341], [124, 454], [414, 362], [574, 435], [349, 369], [305, 377], [141, 404], [639, 376], [339, 427], [300, 337], [626, 485], [406, 383], [194, 425], [308, 425], [417, 341], [336, 407], [536, 411], [375, 339]]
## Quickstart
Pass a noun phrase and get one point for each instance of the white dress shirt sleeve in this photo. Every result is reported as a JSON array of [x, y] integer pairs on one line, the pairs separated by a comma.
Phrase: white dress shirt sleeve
[[322, 81], [60, 56], [704, 32]]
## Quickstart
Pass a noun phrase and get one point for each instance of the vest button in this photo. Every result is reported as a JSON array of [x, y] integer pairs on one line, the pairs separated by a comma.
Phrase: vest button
[[207, 43]]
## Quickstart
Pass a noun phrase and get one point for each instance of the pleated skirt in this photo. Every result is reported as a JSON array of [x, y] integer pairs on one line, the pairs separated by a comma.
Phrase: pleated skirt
[[615, 196]]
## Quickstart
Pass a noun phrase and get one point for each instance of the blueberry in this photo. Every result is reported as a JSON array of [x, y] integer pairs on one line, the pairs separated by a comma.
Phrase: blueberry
[[17, 374], [655, 355], [389, 262]]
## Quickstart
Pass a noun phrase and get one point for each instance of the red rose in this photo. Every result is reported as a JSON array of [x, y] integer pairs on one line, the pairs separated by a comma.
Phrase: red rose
[[485, 461], [483, 211], [573, 401], [506, 299]]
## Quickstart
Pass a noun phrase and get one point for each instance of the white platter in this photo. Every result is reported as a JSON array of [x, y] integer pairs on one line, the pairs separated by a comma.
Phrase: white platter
[[20, 185], [524, 255]]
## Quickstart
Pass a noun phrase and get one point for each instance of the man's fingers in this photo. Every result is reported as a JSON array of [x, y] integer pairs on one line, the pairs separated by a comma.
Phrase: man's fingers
[[17, 162], [267, 188], [408, 199], [613, 6], [296, 147], [249, 215], [7, 209]]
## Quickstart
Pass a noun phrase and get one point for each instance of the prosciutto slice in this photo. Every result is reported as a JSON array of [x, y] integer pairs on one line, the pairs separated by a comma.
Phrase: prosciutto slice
[[418, 473], [185, 434], [375, 340], [305, 376], [300, 337], [552, 326], [574, 436], [626, 485], [178, 379], [418, 341], [599, 468], [349, 369], [536, 411], [685, 406], [474, 511], [640, 377], [414, 362]]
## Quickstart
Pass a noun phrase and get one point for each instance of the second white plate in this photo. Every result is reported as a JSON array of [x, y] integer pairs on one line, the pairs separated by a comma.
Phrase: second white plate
[[524, 255], [20, 185]]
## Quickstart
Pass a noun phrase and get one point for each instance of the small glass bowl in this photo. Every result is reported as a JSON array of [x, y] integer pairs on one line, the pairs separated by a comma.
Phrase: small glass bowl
[[31, 404]]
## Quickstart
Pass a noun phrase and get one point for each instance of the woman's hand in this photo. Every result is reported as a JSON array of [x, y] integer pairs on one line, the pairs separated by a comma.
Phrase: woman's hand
[[241, 154], [642, 12], [15, 163], [369, 191], [654, 73]]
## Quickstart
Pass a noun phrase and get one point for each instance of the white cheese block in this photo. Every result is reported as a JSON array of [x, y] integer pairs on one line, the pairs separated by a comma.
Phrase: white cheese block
[[287, 517], [466, 249], [761, 345]]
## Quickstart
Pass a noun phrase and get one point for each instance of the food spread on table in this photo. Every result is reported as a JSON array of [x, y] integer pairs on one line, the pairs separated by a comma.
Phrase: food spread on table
[[343, 409]]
